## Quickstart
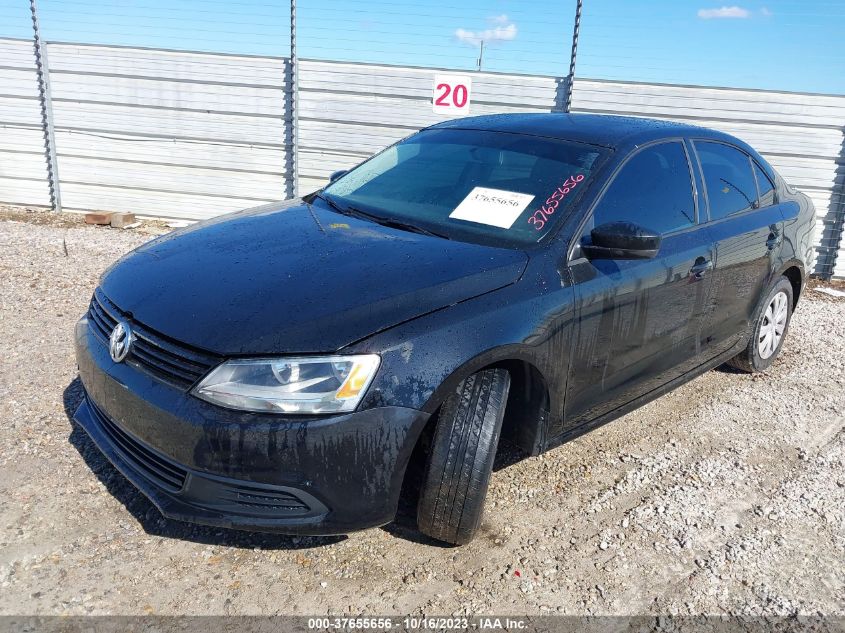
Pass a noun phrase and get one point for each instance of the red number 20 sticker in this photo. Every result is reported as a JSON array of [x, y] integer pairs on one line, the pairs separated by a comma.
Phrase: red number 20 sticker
[[451, 94], [541, 216]]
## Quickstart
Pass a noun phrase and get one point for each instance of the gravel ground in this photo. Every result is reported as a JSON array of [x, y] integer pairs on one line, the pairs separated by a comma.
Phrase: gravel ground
[[725, 496]]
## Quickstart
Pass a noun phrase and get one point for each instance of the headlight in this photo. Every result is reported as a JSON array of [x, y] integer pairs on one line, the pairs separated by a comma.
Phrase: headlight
[[329, 384]]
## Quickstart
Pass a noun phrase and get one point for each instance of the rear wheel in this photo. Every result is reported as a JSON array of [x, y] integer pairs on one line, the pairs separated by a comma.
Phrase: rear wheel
[[461, 459], [770, 329]]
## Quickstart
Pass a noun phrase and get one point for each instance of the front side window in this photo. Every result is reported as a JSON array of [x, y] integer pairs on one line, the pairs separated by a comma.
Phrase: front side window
[[472, 185], [728, 177], [653, 189]]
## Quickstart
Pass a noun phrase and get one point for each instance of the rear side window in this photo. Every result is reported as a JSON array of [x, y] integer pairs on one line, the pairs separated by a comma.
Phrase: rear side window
[[764, 184], [653, 189], [728, 177]]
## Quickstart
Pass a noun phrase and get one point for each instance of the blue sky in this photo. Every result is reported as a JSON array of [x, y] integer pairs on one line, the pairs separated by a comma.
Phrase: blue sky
[[776, 44]]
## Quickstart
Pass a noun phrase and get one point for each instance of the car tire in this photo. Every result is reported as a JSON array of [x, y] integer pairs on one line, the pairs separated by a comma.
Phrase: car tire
[[460, 461], [773, 317]]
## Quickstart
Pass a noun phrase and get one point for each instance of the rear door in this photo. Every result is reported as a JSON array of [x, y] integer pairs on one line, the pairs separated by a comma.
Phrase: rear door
[[640, 320], [746, 225]]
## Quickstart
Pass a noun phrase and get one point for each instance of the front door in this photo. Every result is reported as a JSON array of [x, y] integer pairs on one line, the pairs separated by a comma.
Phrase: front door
[[639, 321]]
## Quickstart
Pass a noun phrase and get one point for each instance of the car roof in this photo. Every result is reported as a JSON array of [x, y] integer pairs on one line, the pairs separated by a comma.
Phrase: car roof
[[599, 129]]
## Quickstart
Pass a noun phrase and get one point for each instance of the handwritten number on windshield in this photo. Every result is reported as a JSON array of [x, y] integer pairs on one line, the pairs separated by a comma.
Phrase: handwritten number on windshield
[[539, 218]]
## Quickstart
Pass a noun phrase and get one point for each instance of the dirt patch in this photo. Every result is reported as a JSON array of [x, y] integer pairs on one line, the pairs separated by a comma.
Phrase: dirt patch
[[815, 285], [41, 216], [724, 496]]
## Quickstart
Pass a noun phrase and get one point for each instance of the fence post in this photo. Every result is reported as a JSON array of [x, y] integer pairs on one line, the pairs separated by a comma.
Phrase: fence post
[[294, 104], [570, 80], [43, 73], [837, 233]]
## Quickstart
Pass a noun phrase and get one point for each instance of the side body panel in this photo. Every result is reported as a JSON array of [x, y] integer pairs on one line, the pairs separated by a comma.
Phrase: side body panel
[[799, 228], [531, 322], [639, 325], [748, 246], [747, 251]]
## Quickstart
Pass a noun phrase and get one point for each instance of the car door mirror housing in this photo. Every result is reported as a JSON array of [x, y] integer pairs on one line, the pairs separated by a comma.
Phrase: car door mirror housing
[[622, 240], [338, 174]]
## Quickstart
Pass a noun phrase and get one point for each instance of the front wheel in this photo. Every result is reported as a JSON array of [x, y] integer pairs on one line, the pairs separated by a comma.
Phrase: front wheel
[[770, 329], [461, 458]]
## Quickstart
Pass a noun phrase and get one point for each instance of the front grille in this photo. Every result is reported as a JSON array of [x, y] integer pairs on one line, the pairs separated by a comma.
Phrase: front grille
[[143, 460], [158, 355]]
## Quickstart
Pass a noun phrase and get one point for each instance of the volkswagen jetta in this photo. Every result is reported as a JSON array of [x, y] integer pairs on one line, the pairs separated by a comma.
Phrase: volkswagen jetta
[[529, 276]]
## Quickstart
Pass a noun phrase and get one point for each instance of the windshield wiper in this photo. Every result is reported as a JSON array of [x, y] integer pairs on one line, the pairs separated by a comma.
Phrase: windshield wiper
[[394, 223], [334, 205], [372, 217]]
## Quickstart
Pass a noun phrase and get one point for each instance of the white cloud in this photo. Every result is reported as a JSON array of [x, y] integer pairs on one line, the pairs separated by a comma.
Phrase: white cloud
[[724, 12], [502, 31], [765, 11]]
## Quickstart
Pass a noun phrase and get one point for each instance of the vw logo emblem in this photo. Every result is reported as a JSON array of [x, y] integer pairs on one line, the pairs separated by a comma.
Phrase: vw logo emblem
[[120, 341]]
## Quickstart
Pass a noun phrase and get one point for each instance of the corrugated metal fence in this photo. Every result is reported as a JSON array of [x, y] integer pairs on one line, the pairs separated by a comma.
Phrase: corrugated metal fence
[[23, 170], [192, 135], [160, 133]]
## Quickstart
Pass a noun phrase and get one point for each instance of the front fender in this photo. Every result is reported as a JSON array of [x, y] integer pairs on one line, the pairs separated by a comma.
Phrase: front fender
[[496, 356], [424, 360]]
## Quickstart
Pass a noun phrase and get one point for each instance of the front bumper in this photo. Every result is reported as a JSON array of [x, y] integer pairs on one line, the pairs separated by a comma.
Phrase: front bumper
[[204, 464]]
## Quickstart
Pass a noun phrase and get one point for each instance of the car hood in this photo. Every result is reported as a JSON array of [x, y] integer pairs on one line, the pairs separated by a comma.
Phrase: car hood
[[297, 278]]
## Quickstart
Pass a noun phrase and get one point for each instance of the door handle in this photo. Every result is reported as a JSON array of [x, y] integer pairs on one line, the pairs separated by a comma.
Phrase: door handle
[[773, 242], [700, 268]]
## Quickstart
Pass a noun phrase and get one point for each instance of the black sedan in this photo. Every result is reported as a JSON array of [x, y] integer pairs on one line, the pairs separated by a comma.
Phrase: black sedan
[[522, 276]]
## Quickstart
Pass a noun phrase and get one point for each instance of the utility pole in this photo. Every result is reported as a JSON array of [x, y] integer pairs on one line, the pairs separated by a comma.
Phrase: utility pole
[[571, 78], [480, 57]]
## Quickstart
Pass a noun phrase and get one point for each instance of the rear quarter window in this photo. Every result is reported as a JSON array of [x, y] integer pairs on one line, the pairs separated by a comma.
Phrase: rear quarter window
[[765, 186]]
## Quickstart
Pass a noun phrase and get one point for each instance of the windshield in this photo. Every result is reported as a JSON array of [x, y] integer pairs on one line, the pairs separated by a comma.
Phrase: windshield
[[470, 185]]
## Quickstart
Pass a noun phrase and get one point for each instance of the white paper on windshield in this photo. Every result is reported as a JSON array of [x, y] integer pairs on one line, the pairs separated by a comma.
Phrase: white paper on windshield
[[492, 206]]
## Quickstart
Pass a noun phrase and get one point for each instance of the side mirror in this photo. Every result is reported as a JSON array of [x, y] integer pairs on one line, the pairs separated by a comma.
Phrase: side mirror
[[622, 240], [338, 174]]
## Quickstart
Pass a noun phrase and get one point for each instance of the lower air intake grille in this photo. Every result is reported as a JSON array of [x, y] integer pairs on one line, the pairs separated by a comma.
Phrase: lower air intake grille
[[145, 461]]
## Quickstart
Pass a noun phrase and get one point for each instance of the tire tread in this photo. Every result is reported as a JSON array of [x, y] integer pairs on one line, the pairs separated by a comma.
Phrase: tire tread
[[461, 460]]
